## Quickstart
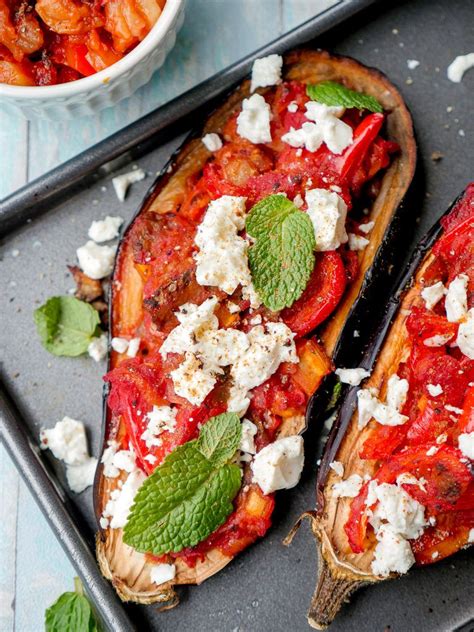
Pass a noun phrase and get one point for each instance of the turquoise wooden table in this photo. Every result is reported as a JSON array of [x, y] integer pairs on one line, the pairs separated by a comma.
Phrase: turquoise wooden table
[[34, 571]]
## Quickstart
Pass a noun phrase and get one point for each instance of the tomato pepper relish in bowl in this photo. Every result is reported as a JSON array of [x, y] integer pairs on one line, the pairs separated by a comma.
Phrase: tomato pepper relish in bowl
[[219, 289], [73, 57]]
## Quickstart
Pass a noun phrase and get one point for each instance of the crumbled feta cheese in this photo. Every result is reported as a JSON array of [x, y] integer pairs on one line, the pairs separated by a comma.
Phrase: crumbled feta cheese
[[327, 211], [68, 442], [221, 347], [308, 136], [470, 538], [162, 573], [466, 444], [404, 514], [325, 127], [336, 134], [279, 464], [408, 479], [456, 299], [459, 66], [247, 441], [357, 242], [150, 458], [97, 348], [120, 345], [438, 340], [412, 64], [454, 409], [253, 122], [110, 470], [124, 460], [465, 337], [393, 553], [338, 467], [298, 201], [432, 294], [122, 183], [121, 500], [432, 451], [266, 351], [96, 261], [233, 307], [367, 227], [105, 229], [193, 319], [352, 376], [369, 406], [212, 142], [133, 346], [292, 107], [349, 488], [442, 438], [160, 419], [434, 389], [397, 390], [266, 72], [192, 381], [222, 257], [104, 522], [80, 477]]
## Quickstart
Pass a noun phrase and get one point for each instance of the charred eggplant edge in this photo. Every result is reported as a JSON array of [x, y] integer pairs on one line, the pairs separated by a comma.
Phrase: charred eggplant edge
[[388, 209]]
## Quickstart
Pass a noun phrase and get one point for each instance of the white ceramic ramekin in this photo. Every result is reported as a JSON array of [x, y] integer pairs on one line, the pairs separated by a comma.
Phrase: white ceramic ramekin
[[105, 88]]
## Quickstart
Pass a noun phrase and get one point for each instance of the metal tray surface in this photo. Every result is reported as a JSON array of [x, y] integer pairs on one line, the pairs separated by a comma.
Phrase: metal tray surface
[[268, 587]]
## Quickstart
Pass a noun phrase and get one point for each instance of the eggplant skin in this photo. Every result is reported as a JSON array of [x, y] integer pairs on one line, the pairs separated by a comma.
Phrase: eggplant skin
[[129, 570], [341, 572]]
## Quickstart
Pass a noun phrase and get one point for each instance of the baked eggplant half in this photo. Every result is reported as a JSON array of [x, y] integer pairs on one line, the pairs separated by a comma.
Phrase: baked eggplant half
[[230, 292], [395, 486]]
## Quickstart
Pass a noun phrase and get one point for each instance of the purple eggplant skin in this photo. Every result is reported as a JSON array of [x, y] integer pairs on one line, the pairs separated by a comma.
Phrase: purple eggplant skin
[[348, 400]]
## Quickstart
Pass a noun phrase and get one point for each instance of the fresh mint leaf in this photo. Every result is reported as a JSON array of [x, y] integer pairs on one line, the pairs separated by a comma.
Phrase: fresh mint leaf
[[190, 494], [70, 613], [66, 325], [282, 259], [220, 438], [331, 93]]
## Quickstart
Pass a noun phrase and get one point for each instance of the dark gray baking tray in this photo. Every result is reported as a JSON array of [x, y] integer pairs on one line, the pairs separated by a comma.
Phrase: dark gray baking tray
[[268, 587]]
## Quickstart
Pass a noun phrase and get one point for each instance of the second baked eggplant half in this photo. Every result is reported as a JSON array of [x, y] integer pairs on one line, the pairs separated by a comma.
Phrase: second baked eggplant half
[[396, 485], [260, 231]]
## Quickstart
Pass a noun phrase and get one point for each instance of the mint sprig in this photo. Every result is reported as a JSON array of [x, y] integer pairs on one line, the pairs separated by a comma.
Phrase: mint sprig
[[332, 93], [190, 494], [66, 325], [71, 613], [282, 258]]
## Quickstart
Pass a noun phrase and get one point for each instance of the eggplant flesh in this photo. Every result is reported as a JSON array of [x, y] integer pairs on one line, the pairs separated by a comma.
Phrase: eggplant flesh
[[128, 569], [341, 571]]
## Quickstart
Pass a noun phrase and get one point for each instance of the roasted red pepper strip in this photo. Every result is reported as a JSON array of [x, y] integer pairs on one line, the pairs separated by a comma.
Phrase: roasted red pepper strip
[[323, 292], [364, 135]]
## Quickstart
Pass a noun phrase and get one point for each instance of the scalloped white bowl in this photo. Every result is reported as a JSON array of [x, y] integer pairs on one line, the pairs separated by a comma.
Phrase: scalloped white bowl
[[105, 88]]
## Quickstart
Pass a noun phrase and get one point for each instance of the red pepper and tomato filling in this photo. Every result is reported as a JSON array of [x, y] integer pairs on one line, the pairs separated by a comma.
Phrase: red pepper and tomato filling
[[419, 506], [209, 343], [47, 42]]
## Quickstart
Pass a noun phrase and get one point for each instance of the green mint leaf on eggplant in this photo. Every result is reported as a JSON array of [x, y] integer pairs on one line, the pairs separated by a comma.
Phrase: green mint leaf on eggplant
[[282, 258], [71, 613], [66, 325], [220, 438], [190, 494], [331, 93]]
